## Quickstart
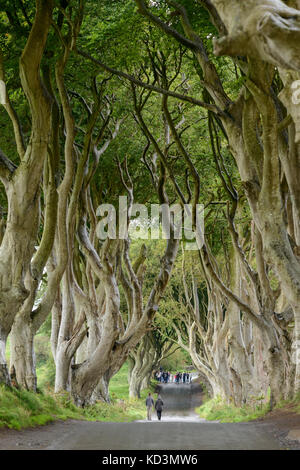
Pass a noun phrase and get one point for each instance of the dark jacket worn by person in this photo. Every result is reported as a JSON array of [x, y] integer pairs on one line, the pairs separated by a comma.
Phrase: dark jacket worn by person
[[159, 404]]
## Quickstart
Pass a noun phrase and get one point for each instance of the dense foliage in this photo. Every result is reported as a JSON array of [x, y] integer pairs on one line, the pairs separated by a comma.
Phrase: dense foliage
[[138, 99]]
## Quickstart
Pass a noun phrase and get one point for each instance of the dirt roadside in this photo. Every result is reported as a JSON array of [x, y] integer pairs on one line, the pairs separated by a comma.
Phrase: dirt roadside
[[286, 426]]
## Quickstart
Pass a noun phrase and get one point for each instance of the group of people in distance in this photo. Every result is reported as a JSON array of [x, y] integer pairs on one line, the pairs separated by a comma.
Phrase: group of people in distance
[[166, 377]]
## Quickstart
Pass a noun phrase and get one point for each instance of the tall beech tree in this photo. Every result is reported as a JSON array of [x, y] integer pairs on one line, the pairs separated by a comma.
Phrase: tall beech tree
[[255, 128], [22, 182]]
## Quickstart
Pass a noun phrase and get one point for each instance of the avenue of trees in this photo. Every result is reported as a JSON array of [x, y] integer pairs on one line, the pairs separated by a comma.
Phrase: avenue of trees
[[165, 102]]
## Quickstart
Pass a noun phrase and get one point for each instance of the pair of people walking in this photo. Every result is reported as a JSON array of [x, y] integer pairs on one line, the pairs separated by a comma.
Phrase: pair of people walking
[[158, 405]]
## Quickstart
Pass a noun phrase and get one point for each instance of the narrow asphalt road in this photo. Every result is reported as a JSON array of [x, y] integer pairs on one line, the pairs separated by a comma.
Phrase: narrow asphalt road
[[167, 436], [180, 429], [82, 435]]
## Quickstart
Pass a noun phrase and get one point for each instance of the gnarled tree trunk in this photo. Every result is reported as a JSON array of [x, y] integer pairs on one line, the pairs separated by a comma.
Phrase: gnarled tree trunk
[[22, 185]]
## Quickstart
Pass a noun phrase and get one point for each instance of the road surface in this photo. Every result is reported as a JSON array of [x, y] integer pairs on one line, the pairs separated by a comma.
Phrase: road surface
[[180, 429]]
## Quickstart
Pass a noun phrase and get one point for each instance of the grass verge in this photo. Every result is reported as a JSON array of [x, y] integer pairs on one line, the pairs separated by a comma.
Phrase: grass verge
[[217, 410], [21, 408]]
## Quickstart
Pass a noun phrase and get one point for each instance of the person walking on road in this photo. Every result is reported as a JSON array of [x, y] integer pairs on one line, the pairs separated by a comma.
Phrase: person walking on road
[[149, 405], [159, 404]]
